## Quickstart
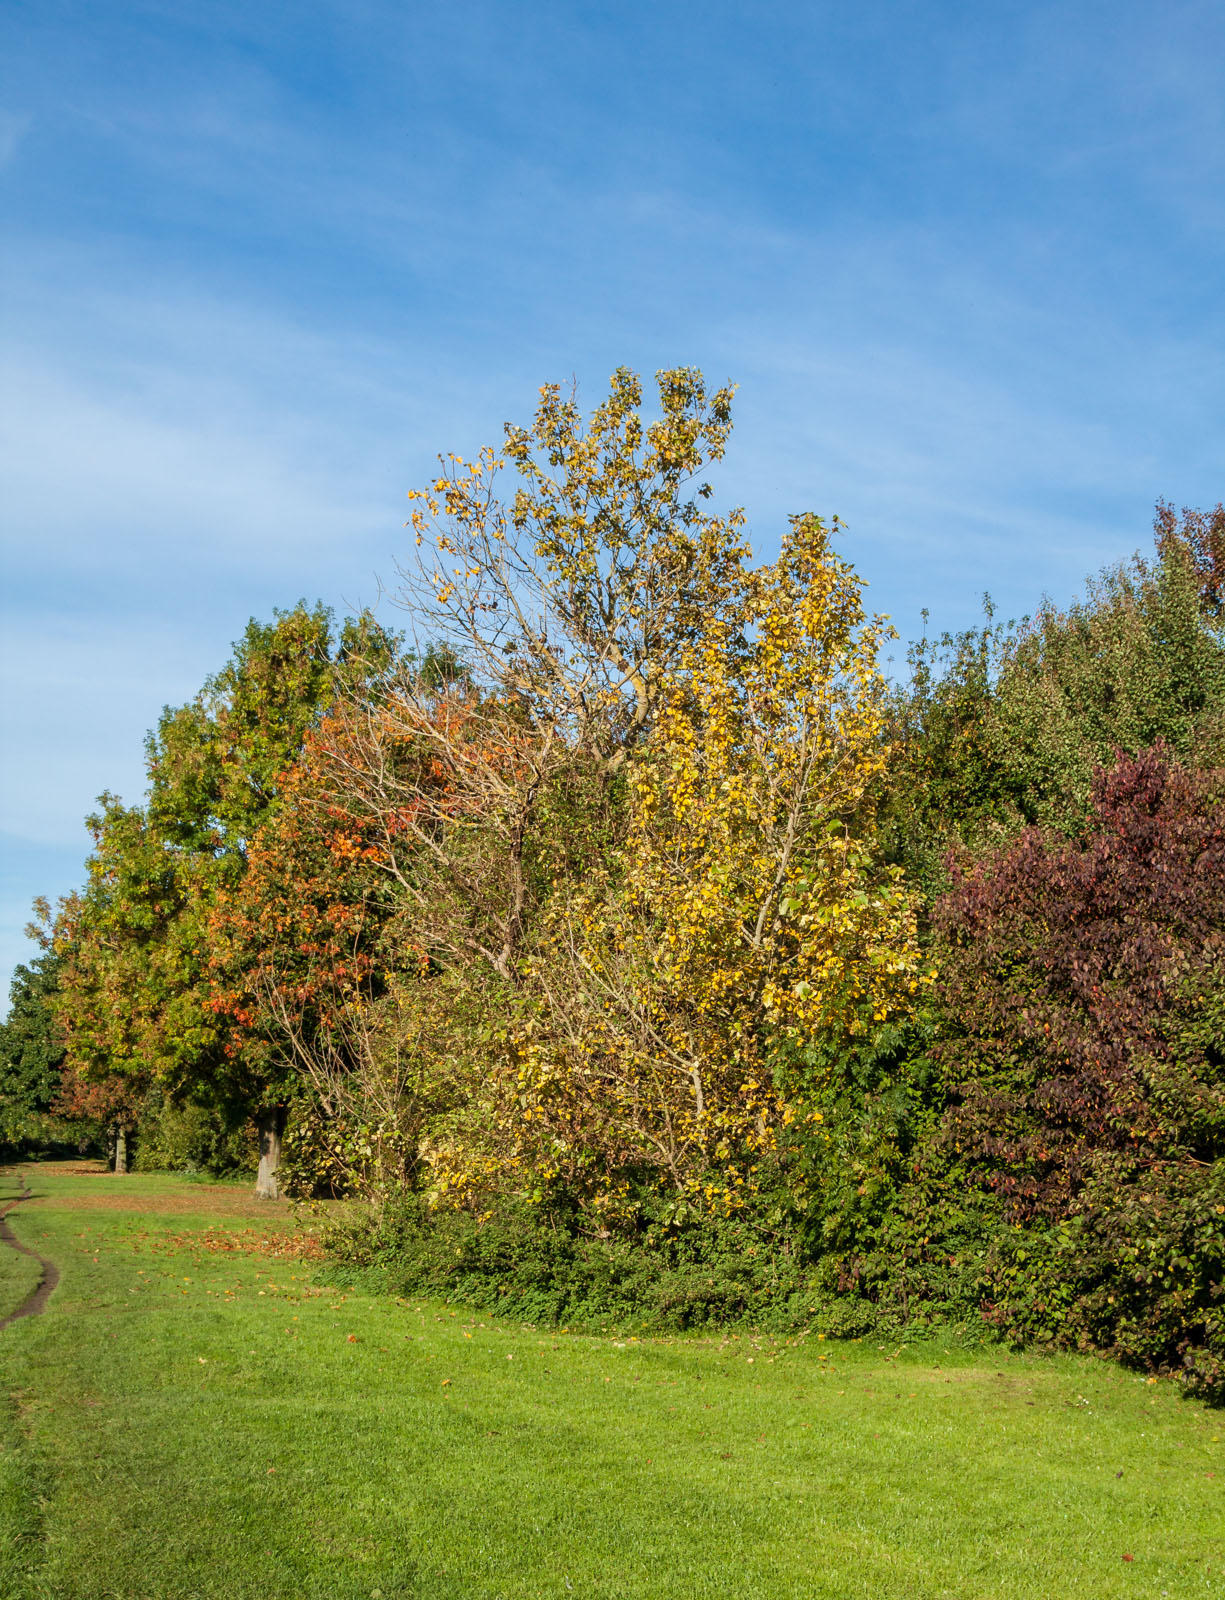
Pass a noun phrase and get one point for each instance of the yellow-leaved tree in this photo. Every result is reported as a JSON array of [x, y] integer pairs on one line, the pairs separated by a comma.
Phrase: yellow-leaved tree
[[621, 789], [740, 905]]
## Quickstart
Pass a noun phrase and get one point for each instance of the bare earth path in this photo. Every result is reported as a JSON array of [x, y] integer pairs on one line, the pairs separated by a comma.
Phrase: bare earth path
[[36, 1301]]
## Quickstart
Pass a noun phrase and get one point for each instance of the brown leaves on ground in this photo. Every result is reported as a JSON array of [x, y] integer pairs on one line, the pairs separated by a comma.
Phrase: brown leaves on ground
[[129, 1193], [240, 1241]]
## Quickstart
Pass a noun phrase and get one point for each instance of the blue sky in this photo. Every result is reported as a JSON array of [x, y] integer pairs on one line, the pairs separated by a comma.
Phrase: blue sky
[[261, 262]]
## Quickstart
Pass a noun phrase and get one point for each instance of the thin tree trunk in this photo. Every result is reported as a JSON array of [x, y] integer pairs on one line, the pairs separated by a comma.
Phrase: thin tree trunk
[[121, 1150], [271, 1127]]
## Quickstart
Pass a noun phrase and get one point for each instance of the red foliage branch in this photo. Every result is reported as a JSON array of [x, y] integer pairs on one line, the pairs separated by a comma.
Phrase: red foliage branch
[[1069, 973]]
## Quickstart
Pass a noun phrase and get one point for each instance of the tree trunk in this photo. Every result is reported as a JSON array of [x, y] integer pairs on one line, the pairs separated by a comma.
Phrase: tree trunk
[[121, 1150], [271, 1127]]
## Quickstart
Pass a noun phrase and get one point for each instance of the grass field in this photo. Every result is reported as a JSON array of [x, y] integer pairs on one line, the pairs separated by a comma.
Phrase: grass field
[[18, 1276], [193, 1417]]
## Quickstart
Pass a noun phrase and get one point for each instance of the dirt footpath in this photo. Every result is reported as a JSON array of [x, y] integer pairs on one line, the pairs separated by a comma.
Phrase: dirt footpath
[[36, 1301]]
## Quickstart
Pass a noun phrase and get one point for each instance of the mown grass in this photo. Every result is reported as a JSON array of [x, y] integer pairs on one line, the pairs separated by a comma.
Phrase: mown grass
[[19, 1277], [188, 1421]]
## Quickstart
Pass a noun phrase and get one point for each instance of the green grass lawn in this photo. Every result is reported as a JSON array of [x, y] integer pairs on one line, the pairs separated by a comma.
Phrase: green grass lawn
[[19, 1276], [189, 1420]]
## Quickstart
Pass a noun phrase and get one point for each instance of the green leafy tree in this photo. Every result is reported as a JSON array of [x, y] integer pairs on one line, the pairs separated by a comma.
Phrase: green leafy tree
[[136, 976], [32, 1058], [942, 785], [31, 1048], [1003, 727], [1140, 658]]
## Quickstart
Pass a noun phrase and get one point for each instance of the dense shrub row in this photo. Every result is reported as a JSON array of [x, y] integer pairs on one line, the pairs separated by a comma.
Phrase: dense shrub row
[[718, 1273]]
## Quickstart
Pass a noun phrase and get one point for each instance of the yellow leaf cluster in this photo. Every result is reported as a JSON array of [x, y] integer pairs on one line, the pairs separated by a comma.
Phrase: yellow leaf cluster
[[743, 903]]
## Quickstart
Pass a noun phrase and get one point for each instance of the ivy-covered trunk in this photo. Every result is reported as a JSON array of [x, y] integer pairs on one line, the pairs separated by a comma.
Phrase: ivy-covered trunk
[[121, 1150], [271, 1129]]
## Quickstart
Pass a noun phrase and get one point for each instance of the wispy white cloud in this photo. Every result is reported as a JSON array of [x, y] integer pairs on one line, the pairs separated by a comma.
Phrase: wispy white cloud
[[13, 129]]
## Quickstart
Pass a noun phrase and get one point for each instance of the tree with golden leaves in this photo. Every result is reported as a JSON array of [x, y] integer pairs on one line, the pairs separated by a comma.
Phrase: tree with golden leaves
[[644, 813], [741, 905]]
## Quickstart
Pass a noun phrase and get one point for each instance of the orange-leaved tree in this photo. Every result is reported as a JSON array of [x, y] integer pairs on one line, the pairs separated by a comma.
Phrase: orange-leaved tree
[[314, 966]]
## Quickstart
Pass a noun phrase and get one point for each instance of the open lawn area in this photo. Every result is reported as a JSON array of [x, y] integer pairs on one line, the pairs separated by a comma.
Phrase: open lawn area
[[193, 1416]]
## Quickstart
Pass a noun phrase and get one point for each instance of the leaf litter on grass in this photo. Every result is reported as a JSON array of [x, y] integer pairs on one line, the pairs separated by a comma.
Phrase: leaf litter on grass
[[238, 1241]]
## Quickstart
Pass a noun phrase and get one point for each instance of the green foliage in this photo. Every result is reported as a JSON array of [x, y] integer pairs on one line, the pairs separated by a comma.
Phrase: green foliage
[[551, 1268], [31, 1062], [1001, 727], [191, 1138], [1136, 1271], [887, 1223], [214, 765], [31, 1044], [942, 787], [1137, 661], [136, 980]]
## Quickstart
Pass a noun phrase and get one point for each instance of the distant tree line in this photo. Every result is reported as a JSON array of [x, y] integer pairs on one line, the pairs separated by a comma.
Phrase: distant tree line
[[640, 949]]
